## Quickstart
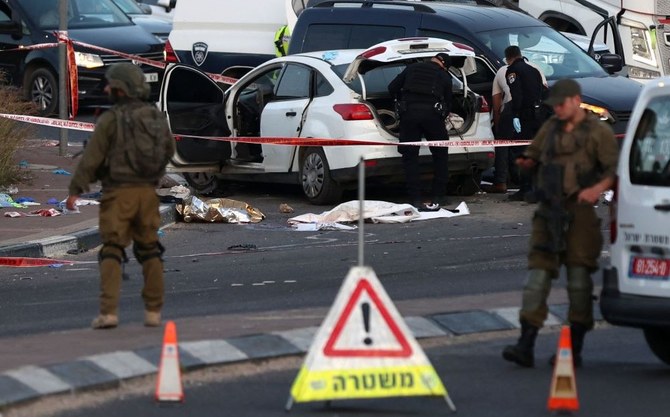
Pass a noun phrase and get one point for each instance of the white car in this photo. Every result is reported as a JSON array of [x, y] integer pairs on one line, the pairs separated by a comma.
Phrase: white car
[[305, 96], [636, 286], [162, 9]]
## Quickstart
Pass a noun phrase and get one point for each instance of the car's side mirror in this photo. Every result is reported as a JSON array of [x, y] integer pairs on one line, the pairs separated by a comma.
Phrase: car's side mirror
[[167, 4], [611, 63]]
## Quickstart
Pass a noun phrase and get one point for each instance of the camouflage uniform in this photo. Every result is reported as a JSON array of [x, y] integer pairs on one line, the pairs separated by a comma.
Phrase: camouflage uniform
[[128, 211], [587, 154]]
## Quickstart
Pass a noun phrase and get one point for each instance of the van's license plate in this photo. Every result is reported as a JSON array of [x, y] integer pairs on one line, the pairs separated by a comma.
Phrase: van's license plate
[[151, 77], [650, 268]]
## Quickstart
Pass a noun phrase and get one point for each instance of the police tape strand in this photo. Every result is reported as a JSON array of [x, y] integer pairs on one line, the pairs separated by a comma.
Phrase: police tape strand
[[288, 141]]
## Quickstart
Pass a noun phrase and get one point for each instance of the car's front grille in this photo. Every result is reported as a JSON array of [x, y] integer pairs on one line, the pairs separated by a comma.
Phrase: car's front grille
[[663, 42], [112, 59]]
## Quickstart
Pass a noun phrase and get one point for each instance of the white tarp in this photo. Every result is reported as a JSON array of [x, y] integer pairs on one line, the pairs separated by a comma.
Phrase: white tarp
[[376, 211]]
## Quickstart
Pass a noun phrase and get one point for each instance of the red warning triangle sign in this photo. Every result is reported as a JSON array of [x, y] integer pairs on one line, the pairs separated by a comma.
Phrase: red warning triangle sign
[[403, 348]]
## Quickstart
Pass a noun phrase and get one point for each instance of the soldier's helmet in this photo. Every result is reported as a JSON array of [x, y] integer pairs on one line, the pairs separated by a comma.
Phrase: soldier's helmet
[[128, 78]]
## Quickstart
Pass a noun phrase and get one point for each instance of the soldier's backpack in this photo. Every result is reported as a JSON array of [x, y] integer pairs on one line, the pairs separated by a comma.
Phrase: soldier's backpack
[[142, 147]]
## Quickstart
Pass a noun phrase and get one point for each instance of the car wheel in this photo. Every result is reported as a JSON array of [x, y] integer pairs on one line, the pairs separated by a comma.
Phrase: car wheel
[[42, 89], [203, 182], [315, 179], [658, 340]]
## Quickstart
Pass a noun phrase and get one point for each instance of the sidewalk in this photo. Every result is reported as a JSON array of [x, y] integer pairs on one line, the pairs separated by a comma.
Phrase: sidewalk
[[38, 236]]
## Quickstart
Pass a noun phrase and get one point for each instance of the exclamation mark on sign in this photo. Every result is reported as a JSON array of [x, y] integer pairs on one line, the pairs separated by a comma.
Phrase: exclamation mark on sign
[[365, 308]]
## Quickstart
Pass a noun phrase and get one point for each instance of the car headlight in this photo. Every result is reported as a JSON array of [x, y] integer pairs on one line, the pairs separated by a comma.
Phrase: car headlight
[[601, 112], [642, 48], [88, 60]]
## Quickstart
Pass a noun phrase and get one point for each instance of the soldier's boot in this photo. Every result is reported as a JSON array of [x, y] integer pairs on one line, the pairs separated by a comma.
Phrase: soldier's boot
[[577, 333], [152, 270], [105, 321], [523, 352], [152, 318]]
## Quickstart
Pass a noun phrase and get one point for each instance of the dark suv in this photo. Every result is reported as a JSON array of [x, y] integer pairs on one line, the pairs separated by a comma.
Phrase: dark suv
[[24, 23], [489, 30]]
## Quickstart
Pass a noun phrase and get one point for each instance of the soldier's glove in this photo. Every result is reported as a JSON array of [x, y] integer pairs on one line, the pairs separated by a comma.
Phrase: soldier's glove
[[517, 124]]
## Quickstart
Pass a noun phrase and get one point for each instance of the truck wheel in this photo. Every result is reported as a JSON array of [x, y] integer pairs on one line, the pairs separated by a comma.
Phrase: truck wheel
[[41, 88], [658, 340], [317, 185], [204, 183]]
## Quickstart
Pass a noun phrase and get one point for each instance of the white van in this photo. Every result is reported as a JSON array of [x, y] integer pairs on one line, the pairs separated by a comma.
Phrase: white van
[[636, 286], [217, 36]]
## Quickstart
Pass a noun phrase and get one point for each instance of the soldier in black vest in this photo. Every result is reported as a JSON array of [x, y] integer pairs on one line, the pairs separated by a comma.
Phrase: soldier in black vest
[[526, 89], [423, 94]]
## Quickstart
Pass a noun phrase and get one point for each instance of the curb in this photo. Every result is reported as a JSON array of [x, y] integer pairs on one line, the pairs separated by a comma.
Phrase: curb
[[107, 370], [83, 239]]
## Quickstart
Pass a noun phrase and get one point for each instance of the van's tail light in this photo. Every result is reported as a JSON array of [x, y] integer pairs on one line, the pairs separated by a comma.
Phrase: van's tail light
[[373, 52], [613, 210], [483, 105], [168, 53], [353, 111]]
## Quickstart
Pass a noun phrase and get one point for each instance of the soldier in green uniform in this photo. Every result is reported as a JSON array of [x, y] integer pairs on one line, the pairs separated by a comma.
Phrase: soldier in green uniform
[[575, 155], [129, 208]]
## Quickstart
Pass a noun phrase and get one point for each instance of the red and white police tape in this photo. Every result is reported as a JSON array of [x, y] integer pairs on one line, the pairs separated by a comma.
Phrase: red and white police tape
[[274, 140]]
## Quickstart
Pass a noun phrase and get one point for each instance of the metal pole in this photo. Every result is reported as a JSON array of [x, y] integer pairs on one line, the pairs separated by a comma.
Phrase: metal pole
[[63, 92], [361, 209]]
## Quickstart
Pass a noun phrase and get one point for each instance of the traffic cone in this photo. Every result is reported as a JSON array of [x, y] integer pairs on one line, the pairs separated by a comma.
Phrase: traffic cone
[[168, 385], [563, 392]]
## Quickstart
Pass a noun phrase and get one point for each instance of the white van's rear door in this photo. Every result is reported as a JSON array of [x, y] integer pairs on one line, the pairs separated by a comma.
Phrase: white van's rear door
[[194, 105], [643, 214]]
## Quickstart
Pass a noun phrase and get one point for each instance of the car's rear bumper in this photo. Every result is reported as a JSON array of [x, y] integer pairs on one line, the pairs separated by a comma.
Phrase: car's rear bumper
[[390, 169], [631, 310]]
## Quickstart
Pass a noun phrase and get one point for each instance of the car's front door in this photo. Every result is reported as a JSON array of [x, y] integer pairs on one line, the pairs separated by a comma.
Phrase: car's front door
[[194, 106], [283, 116]]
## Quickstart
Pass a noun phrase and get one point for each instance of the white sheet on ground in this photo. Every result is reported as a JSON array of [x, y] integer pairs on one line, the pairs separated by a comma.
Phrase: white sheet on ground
[[376, 211]]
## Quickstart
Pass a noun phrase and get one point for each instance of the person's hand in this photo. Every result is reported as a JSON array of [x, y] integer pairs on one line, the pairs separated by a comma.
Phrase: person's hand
[[589, 195], [524, 162], [517, 124], [71, 202]]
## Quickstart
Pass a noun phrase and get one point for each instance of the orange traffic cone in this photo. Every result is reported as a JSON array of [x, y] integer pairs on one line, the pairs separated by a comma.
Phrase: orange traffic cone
[[168, 386], [563, 392]]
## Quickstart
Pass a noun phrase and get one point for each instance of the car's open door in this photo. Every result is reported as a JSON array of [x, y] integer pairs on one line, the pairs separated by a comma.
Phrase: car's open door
[[194, 105]]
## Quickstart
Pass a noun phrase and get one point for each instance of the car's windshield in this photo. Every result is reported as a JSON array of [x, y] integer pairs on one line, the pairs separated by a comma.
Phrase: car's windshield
[[557, 56], [80, 14]]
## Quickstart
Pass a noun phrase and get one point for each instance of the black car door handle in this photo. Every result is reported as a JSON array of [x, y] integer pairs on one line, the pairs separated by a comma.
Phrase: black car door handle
[[662, 207], [290, 113]]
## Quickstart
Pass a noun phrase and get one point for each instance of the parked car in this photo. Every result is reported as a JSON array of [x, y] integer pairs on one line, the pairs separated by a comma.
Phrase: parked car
[[143, 16], [341, 24], [332, 94], [24, 23], [636, 285]]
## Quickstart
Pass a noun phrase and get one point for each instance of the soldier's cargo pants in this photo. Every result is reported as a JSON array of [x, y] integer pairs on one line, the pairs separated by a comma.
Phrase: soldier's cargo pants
[[583, 245], [130, 214]]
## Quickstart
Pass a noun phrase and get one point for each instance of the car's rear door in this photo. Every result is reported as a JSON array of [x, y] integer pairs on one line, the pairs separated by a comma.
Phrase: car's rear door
[[194, 105], [283, 115]]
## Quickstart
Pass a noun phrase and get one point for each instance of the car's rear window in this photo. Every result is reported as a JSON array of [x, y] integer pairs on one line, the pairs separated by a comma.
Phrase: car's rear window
[[649, 162]]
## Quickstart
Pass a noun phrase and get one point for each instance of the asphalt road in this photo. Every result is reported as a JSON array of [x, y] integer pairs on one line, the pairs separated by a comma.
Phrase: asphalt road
[[620, 378], [483, 252]]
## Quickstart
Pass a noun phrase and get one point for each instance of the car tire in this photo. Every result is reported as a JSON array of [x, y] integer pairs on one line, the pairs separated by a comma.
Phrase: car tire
[[658, 340], [315, 180], [41, 87], [204, 183]]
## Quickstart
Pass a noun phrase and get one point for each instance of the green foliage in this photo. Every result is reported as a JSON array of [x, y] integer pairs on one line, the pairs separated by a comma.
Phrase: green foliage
[[12, 134]]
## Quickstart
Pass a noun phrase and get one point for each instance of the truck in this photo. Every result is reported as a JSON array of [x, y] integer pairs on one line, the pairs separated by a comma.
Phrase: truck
[[637, 30]]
